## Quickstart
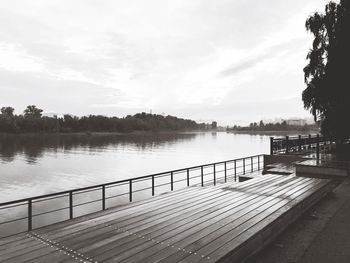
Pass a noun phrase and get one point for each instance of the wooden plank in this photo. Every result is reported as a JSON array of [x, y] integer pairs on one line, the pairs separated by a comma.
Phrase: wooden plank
[[163, 197], [167, 206], [94, 238], [141, 206], [191, 236], [170, 209], [9, 242], [14, 238], [197, 221], [22, 257], [272, 226], [173, 236], [225, 235], [172, 225], [259, 235], [156, 223]]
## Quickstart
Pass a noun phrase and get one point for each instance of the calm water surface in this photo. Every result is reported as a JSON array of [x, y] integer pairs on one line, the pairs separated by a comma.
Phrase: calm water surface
[[34, 165]]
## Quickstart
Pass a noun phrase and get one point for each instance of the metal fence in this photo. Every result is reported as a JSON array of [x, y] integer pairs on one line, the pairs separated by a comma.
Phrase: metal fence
[[29, 213], [286, 145]]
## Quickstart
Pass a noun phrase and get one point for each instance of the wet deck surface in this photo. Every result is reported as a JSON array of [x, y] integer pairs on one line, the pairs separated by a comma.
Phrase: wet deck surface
[[222, 223]]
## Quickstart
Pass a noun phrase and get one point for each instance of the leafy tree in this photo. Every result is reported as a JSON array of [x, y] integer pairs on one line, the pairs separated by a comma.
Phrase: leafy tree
[[32, 111], [7, 111], [327, 75], [32, 121]]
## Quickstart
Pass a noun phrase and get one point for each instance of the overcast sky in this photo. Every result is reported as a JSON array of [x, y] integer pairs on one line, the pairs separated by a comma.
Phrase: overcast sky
[[225, 60]]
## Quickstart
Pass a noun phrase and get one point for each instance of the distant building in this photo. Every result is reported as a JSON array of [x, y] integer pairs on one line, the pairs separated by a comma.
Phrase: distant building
[[296, 122]]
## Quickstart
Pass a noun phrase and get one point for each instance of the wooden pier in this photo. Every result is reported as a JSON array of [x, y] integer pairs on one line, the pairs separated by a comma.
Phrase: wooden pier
[[223, 223]]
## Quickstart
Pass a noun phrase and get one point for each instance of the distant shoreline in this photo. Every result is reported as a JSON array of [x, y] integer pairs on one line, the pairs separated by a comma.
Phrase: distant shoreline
[[276, 132], [24, 134]]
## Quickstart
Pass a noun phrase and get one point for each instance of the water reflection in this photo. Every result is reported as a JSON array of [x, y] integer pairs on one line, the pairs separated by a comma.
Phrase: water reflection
[[34, 165], [34, 147]]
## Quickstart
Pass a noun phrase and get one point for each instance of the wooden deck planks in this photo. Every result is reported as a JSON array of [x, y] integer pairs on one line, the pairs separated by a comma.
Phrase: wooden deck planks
[[175, 230], [192, 225], [214, 227], [42, 252], [174, 200], [156, 225]]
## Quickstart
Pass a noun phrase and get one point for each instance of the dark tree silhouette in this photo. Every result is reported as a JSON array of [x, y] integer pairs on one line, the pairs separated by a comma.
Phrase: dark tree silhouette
[[33, 121], [32, 111], [7, 111], [327, 75], [283, 126]]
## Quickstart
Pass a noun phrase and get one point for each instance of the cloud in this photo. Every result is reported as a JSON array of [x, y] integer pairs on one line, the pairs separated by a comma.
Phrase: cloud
[[112, 57], [260, 56]]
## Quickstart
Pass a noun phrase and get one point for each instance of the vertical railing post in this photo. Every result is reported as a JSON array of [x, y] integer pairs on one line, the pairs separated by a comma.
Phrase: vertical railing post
[[30, 215], [309, 141], [258, 162], [318, 148], [171, 181], [214, 172], [299, 141], [188, 177], [152, 185], [71, 204], [202, 179], [225, 167], [130, 190], [243, 165], [287, 144], [251, 164], [235, 169], [103, 197], [271, 145]]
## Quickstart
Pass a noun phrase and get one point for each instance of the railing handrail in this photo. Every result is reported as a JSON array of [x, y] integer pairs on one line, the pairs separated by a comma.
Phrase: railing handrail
[[299, 143], [120, 181], [281, 138]]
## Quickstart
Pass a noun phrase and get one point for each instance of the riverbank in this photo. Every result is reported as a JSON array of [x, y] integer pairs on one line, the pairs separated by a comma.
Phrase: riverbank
[[276, 132], [30, 134]]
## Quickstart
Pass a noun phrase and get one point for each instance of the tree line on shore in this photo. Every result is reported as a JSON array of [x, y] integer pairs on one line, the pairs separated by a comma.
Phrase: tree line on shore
[[278, 126], [32, 120]]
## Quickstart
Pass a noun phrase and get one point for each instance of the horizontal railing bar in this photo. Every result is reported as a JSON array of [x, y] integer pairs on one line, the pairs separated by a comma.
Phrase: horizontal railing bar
[[142, 189], [159, 185], [51, 211], [13, 220], [50, 198], [116, 185], [86, 203], [12, 206], [115, 196]]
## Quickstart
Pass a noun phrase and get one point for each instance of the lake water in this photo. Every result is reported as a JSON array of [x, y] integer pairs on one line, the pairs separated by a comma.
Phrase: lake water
[[35, 165]]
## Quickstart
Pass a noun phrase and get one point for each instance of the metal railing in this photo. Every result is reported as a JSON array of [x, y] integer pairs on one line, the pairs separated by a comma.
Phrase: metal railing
[[286, 145], [66, 201]]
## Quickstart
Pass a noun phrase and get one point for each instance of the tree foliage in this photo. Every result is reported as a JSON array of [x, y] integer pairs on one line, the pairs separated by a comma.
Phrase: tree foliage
[[7, 111], [278, 126], [33, 121], [32, 112], [327, 75]]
